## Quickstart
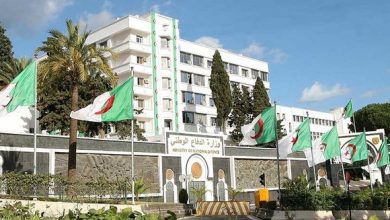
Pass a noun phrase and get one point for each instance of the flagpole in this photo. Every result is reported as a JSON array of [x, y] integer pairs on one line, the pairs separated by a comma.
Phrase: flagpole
[[35, 114], [132, 150], [312, 155], [353, 117], [368, 162], [277, 156], [342, 168]]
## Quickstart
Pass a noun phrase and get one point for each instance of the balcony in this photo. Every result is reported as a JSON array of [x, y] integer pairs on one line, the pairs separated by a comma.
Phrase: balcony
[[143, 90], [132, 46], [146, 114], [196, 128]]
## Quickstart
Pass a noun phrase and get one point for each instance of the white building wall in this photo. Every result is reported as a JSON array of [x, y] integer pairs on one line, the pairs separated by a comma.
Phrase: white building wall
[[320, 122]]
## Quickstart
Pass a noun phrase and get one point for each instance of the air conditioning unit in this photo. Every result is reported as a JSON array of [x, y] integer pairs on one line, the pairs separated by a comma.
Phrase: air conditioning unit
[[189, 62], [146, 81]]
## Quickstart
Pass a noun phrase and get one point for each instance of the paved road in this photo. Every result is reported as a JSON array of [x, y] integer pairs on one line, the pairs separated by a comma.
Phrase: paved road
[[219, 218]]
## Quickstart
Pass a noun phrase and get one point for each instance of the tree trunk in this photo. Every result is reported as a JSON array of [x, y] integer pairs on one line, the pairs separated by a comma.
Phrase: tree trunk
[[73, 136]]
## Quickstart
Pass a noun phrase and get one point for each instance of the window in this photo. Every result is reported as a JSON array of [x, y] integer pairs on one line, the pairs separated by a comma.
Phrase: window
[[141, 124], [200, 99], [166, 83], [233, 69], [186, 77], [278, 116], [264, 76], [140, 81], [141, 60], [103, 44], [200, 119], [255, 74], [165, 62], [185, 58], [164, 42], [226, 66], [289, 127], [187, 97], [294, 118], [167, 104], [168, 124], [139, 39], [245, 73], [141, 103], [198, 60], [211, 101], [283, 116], [199, 80], [213, 121], [209, 64], [188, 117]]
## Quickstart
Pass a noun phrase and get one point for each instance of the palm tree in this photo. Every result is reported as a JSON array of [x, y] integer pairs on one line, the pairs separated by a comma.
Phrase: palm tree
[[12, 69], [68, 53]]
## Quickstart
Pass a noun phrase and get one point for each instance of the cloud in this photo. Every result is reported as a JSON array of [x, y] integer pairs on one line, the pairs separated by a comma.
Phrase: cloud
[[256, 50], [26, 16], [278, 55], [95, 20], [318, 92], [209, 41], [375, 92]]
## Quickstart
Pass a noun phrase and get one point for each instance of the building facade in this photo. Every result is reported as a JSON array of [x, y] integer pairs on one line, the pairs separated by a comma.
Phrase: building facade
[[320, 122], [171, 74]]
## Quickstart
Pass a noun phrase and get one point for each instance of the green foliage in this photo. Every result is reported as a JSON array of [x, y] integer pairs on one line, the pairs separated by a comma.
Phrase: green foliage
[[18, 211], [297, 196], [139, 187], [372, 117], [11, 69], [260, 98], [199, 193], [6, 55], [237, 116], [123, 129], [220, 88], [233, 193], [183, 196]]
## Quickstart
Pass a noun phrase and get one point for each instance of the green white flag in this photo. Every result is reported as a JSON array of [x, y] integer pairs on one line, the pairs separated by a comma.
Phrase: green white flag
[[356, 148], [261, 130], [348, 111], [324, 148], [302, 139], [116, 105], [20, 92], [383, 154]]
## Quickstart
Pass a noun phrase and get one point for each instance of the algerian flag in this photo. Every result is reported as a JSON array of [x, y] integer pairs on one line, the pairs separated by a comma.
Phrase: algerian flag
[[20, 92], [261, 130], [116, 105], [348, 112], [297, 141], [383, 154], [356, 149], [324, 148]]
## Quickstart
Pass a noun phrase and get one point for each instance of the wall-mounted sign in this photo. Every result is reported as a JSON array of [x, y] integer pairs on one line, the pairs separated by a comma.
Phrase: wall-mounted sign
[[191, 144]]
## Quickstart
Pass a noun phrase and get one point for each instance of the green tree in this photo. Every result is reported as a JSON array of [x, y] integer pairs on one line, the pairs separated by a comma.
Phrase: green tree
[[260, 98], [9, 70], [372, 117], [6, 55], [123, 130], [68, 53], [220, 88], [237, 117], [247, 105]]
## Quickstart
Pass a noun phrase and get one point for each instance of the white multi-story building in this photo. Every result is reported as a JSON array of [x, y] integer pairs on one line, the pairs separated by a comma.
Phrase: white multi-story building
[[320, 122], [171, 75]]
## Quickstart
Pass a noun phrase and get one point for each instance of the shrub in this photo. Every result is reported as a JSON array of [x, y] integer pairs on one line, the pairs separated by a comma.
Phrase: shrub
[[183, 196]]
